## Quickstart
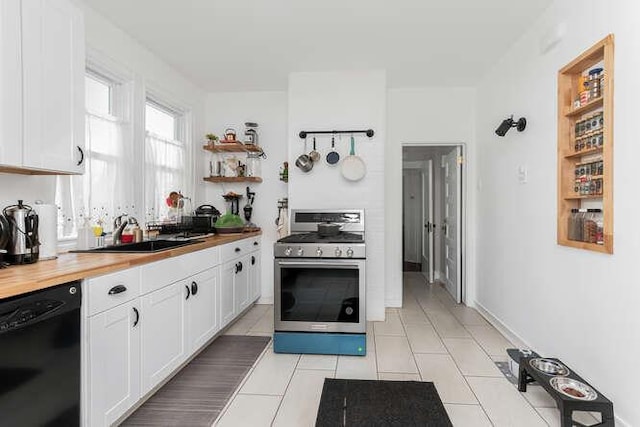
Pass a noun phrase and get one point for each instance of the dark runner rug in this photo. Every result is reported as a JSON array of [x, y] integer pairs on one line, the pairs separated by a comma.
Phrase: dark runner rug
[[351, 403], [197, 394]]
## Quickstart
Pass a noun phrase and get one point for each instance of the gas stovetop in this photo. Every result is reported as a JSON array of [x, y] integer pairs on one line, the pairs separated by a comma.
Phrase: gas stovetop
[[343, 237], [305, 242]]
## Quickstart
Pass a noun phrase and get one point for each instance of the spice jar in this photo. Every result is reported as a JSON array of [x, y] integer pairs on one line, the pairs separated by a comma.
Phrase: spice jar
[[589, 227], [599, 219], [594, 83], [573, 232]]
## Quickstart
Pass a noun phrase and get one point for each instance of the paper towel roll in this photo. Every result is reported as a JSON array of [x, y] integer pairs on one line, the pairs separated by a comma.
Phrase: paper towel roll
[[47, 230]]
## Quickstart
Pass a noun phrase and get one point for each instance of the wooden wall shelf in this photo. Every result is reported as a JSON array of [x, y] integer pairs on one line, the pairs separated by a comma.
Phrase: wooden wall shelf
[[599, 55], [222, 179], [588, 107], [237, 147]]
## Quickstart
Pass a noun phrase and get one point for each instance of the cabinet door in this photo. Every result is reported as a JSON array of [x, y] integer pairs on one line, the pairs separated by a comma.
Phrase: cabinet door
[[53, 85], [227, 306], [114, 363], [162, 321], [203, 320], [10, 84], [241, 283], [255, 276]]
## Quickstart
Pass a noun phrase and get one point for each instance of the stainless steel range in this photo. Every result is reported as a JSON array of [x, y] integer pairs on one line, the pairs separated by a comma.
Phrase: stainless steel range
[[320, 284]]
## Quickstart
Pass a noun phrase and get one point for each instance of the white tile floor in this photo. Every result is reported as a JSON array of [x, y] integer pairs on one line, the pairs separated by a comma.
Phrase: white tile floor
[[430, 339]]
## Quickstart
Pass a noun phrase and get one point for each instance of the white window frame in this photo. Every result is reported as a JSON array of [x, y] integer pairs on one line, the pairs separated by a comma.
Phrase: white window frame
[[122, 84], [184, 122]]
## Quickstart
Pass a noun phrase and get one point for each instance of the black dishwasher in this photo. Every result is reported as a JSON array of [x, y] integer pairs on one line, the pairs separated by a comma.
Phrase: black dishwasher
[[40, 358]]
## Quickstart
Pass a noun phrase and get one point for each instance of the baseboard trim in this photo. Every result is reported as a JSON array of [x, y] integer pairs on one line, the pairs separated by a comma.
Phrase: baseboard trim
[[394, 303], [518, 341]]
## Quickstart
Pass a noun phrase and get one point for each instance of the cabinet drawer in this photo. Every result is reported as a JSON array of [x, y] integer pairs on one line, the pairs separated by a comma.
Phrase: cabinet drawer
[[234, 250], [159, 274], [108, 291]]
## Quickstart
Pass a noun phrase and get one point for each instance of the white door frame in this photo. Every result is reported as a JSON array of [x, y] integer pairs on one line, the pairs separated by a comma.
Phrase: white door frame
[[427, 222], [465, 248]]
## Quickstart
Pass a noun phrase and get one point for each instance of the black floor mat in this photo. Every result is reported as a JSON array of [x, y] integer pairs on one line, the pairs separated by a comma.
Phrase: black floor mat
[[351, 403]]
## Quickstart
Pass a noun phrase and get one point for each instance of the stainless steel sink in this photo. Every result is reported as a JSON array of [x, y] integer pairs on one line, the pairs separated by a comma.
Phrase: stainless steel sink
[[141, 247]]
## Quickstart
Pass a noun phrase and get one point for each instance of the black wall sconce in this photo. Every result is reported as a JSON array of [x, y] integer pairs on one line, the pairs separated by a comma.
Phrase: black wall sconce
[[509, 123]]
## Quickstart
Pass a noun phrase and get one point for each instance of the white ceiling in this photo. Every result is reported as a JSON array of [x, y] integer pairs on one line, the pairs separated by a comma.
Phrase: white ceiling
[[236, 45]]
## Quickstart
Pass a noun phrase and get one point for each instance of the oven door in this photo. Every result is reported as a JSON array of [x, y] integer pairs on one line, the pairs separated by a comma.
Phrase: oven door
[[320, 295]]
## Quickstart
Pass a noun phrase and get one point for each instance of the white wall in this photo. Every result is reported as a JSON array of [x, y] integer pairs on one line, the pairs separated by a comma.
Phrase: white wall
[[27, 188], [344, 100], [576, 305], [424, 116], [269, 110]]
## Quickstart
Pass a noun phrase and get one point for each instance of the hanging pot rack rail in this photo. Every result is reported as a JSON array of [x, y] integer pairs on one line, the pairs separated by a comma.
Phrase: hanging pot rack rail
[[304, 133]]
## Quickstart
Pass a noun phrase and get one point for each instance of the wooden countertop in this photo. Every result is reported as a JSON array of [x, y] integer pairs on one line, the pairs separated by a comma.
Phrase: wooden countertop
[[20, 279]]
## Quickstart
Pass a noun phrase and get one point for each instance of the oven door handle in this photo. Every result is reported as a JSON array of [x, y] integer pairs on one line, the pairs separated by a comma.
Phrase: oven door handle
[[316, 264]]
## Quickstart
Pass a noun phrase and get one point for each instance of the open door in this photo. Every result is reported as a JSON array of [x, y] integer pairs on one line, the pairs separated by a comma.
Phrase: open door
[[452, 222], [428, 228]]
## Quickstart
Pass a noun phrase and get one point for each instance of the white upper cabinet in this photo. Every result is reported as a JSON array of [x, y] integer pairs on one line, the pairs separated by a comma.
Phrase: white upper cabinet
[[42, 82], [53, 85], [10, 84]]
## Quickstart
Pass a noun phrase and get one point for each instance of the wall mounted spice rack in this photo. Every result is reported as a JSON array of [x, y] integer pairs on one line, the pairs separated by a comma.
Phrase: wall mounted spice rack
[[585, 148]]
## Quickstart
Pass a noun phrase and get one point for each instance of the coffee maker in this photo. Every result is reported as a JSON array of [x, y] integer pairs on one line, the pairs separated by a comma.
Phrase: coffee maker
[[23, 246]]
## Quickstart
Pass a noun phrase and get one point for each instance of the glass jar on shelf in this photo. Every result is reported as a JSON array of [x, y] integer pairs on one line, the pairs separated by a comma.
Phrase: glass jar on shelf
[[254, 165]]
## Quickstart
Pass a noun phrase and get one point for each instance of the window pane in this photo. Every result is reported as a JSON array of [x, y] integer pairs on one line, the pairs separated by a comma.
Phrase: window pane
[[160, 122], [97, 96]]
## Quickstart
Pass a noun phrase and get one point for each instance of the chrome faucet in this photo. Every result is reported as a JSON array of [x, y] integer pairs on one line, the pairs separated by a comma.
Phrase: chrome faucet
[[118, 227]]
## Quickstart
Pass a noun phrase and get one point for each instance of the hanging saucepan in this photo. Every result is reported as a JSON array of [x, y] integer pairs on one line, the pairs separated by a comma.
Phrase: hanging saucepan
[[353, 167], [304, 162], [326, 229], [332, 156], [314, 155]]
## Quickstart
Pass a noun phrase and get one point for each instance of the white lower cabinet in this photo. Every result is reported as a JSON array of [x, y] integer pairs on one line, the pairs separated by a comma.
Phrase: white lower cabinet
[[142, 325], [227, 305], [241, 284], [255, 276], [202, 312], [114, 371], [163, 343]]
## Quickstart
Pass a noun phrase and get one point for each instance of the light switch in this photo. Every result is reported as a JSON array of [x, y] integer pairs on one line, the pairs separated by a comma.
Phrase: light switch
[[522, 174]]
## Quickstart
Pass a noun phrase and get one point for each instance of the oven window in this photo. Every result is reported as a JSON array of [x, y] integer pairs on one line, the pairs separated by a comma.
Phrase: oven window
[[320, 295]]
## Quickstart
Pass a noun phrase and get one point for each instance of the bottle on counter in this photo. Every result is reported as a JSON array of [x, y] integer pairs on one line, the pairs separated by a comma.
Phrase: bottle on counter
[[86, 239]]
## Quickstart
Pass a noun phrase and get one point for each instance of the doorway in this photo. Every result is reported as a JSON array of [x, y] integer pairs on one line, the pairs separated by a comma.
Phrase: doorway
[[432, 214]]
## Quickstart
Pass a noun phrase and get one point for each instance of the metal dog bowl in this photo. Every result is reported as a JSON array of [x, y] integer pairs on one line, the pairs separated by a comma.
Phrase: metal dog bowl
[[573, 388], [549, 367]]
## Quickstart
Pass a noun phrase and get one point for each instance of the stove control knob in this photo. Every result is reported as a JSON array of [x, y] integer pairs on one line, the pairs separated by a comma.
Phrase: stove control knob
[[288, 251], [349, 252], [338, 252], [300, 252], [319, 252]]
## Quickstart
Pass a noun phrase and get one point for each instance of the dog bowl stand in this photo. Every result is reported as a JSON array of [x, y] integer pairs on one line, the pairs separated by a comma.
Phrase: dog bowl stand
[[566, 404]]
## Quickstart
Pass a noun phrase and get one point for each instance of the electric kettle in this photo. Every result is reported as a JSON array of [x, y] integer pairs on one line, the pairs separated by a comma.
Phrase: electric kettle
[[23, 246]]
